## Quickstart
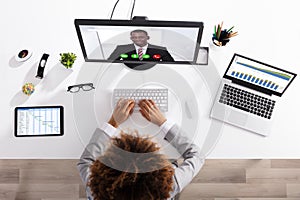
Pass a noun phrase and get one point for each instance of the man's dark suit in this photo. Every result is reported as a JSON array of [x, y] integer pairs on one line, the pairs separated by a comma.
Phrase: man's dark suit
[[152, 50]]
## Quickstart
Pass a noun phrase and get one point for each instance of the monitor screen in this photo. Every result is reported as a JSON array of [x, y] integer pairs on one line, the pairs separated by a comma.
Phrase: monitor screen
[[139, 41]]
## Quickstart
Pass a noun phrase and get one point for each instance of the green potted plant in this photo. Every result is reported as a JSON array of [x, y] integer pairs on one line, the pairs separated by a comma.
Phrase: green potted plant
[[67, 59]]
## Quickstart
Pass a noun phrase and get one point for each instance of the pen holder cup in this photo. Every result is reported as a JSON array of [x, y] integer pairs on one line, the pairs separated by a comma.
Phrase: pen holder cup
[[215, 46]]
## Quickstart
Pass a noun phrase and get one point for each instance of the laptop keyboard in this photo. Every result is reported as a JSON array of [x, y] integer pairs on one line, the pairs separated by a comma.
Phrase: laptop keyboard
[[247, 101], [159, 96]]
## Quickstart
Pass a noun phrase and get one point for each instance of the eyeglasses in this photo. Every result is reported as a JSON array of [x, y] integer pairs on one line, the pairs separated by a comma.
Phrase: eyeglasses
[[84, 87]]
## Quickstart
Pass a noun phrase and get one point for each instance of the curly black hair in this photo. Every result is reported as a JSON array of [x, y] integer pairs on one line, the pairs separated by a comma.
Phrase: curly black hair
[[107, 183]]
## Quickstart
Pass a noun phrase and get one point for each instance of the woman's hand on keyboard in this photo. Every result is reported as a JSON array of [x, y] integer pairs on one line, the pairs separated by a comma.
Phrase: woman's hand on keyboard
[[121, 112], [151, 112]]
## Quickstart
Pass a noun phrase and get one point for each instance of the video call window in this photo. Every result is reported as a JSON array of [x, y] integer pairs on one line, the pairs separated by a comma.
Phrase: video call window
[[113, 40]]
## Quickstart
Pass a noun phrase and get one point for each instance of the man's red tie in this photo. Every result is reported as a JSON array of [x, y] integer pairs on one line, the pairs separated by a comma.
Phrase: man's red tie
[[140, 52]]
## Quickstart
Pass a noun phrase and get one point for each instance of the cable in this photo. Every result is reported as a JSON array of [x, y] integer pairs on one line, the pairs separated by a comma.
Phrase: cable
[[132, 9], [112, 12]]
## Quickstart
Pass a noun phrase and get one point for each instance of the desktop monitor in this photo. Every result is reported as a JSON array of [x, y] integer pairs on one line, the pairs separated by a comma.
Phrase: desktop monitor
[[167, 42]]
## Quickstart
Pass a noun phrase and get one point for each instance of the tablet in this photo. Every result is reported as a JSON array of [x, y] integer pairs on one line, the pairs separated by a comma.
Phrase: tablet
[[39, 121]]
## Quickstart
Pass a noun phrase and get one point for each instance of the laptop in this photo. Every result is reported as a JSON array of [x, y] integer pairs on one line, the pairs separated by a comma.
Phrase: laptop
[[248, 94]]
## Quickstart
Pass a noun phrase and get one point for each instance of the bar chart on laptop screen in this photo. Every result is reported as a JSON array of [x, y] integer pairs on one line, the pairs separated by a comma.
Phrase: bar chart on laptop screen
[[259, 74], [38, 121]]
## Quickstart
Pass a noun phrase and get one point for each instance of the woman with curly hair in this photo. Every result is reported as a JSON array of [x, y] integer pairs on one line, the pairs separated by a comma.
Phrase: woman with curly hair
[[130, 167]]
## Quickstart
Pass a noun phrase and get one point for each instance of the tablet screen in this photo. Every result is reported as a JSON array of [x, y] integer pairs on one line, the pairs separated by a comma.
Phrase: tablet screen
[[39, 121]]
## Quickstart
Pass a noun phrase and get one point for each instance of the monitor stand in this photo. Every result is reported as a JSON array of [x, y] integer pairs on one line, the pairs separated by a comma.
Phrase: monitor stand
[[140, 66]]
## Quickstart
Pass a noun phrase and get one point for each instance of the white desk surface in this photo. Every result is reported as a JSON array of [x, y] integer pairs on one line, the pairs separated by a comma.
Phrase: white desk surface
[[232, 142]]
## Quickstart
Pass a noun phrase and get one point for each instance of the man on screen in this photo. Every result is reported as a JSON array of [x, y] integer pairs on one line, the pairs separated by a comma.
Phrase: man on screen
[[140, 49]]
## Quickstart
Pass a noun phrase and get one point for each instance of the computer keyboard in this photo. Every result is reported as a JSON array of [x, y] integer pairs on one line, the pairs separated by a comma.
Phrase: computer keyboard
[[247, 101], [158, 95]]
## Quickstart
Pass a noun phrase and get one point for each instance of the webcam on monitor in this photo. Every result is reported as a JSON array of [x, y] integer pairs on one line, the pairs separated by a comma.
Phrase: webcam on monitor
[[139, 43]]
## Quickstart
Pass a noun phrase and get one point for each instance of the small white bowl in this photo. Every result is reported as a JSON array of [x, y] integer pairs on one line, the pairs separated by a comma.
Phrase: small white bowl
[[23, 55]]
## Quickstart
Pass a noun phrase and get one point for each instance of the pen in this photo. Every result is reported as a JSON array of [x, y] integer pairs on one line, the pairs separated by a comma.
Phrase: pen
[[215, 31], [218, 30], [221, 25], [230, 29], [233, 34]]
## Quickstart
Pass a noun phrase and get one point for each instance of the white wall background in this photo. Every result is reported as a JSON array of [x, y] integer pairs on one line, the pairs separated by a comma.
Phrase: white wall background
[[268, 31]]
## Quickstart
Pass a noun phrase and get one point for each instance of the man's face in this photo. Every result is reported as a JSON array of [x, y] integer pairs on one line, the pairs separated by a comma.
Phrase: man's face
[[139, 38]]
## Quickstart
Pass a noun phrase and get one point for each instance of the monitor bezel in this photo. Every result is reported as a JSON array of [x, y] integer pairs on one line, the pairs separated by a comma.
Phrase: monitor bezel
[[141, 23], [257, 87]]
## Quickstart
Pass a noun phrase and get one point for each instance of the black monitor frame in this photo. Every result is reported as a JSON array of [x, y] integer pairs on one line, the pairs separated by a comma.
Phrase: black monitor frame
[[140, 23]]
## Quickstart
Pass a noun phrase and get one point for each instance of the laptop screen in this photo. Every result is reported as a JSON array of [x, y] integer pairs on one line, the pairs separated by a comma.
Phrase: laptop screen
[[259, 76]]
